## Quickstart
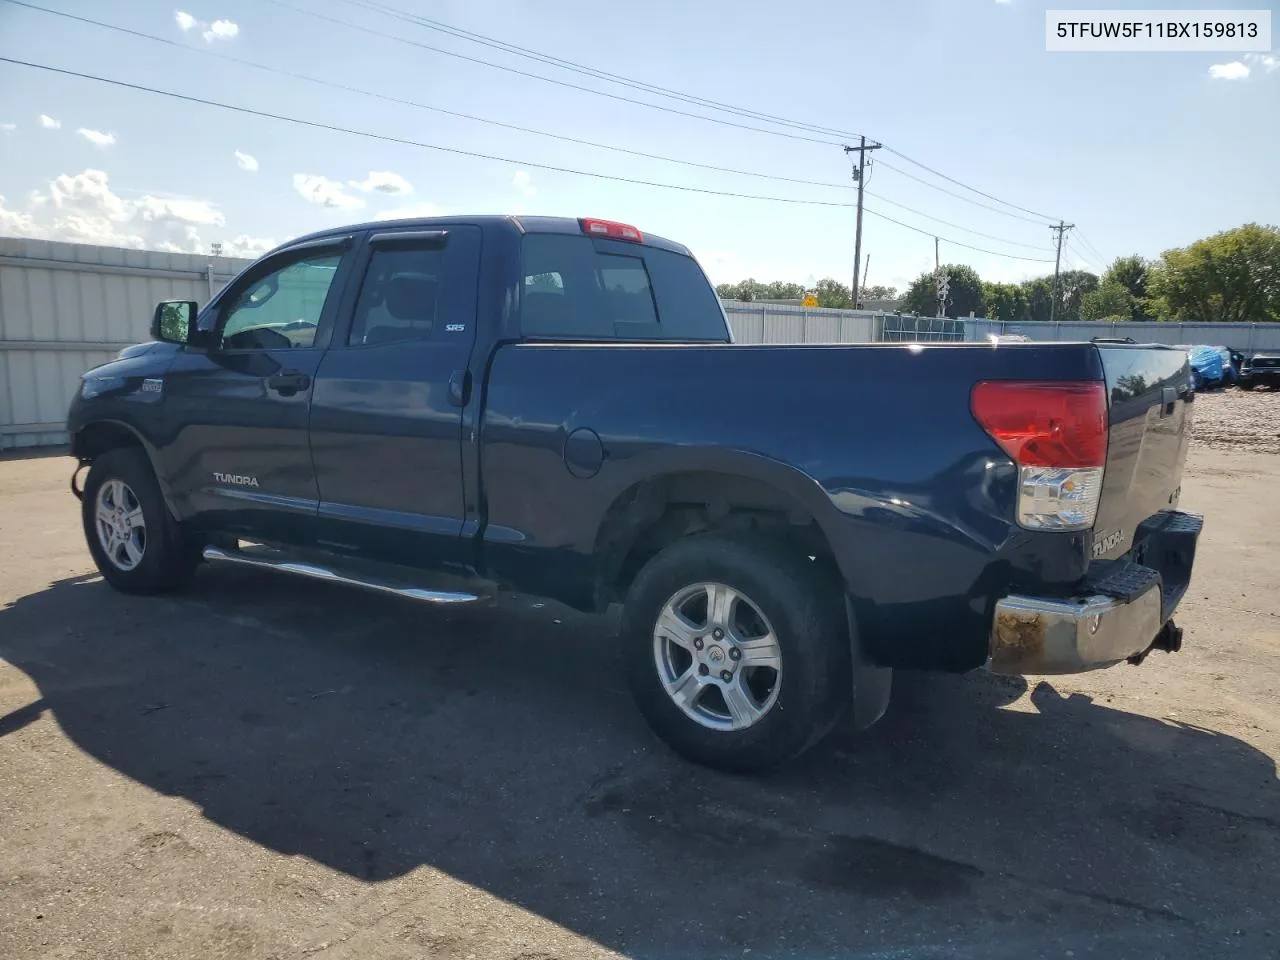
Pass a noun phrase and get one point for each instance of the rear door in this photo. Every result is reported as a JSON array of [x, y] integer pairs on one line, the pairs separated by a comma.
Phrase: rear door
[[1151, 405], [386, 418], [237, 457]]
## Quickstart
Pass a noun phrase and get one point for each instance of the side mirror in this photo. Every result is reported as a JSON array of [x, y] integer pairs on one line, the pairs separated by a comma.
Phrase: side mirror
[[174, 321]]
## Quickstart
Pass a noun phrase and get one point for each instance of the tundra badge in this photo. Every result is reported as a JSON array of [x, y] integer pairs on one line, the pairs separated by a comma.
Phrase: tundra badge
[[236, 479]]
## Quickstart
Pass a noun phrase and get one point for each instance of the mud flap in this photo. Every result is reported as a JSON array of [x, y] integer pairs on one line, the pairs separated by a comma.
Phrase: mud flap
[[872, 685]]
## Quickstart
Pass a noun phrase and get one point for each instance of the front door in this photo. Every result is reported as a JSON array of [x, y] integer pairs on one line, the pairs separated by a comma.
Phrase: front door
[[238, 459], [386, 418]]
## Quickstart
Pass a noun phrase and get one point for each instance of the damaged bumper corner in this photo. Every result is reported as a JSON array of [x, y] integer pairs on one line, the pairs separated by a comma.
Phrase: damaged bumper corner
[[1124, 610], [1036, 636]]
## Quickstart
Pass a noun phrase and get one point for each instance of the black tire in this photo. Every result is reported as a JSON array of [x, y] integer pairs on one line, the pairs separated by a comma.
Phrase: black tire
[[803, 604], [169, 558]]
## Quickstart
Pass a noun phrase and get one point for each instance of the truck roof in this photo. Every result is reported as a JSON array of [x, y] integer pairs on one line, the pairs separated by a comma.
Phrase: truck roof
[[521, 224]]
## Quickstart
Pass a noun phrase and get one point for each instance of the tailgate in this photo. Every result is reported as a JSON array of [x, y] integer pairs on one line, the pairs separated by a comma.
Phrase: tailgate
[[1150, 402]]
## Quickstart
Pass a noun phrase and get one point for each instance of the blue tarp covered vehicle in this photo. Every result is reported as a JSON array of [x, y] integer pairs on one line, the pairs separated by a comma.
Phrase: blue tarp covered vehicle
[[1207, 366]]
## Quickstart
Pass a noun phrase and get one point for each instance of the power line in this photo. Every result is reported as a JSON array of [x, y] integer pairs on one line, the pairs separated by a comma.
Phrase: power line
[[936, 173], [952, 193], [976, 233], [1088, 245], [509, 126], [334, 128], [423, 106], [414, 143], [580, 68], [537, 76]]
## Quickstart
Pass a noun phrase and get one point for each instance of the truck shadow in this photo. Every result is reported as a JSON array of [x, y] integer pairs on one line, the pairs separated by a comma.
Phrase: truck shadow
[[500, 747]]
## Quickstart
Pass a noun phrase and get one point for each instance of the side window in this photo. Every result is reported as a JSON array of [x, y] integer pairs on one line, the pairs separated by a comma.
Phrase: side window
[[399, 299], [578, 287], [282, 309]]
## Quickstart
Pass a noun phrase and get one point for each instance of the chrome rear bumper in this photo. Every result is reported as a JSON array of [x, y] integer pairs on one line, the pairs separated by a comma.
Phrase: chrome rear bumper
[[1121, 615], [1070, 636]]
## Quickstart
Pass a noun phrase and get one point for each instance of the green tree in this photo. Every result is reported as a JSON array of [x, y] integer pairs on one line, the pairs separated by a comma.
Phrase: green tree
[[1072, 287], [1005, 301], [1131, 273], [832, 293], [965, 293], [1231, 277], [879, 293], [1038, 294], [781, 290], [1111, 299]]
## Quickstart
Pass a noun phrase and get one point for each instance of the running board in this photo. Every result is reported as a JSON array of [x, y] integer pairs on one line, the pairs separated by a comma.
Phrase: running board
[[316, 571]]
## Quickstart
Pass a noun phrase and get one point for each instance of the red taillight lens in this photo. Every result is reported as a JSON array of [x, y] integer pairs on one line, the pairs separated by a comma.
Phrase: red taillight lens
[[1045, 424], [610, 229]]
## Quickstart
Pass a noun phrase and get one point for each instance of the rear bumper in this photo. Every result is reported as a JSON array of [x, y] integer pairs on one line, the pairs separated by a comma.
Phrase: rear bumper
[[1267, 375], [1120, 613]]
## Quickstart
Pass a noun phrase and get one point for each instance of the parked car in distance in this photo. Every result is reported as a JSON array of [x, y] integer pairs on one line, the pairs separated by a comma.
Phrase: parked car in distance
[[442, 408], [1261, 370], [1208, 365]]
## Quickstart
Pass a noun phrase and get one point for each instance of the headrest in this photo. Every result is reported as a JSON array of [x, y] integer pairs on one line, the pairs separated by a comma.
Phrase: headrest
[[411, 298]]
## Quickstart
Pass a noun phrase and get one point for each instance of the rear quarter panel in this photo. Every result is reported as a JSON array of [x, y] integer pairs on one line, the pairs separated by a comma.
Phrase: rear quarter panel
[[876, 441]]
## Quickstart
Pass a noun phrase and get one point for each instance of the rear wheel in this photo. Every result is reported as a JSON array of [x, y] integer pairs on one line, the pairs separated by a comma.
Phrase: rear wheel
[[137, 545], [737, 651]]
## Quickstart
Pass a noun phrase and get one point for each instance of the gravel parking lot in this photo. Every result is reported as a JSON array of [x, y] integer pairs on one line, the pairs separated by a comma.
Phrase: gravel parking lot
[[262, 768]]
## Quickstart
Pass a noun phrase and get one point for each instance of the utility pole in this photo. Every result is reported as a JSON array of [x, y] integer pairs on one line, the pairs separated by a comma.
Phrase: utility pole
[[1061, 230], [859, 177]]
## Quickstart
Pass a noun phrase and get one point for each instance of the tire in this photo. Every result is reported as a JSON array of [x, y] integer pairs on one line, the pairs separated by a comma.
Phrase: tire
[[152, 556], [786, 595]]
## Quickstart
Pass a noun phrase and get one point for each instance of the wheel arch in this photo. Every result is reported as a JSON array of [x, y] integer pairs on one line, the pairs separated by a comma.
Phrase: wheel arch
[[96, 438], [682, 494]]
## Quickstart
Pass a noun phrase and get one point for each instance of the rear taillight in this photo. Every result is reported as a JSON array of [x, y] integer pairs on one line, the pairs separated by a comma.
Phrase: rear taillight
[[610, 229], [1057, 435]]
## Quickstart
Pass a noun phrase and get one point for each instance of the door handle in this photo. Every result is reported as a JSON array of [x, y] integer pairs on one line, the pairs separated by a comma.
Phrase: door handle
[[288, 382], [460, 388]]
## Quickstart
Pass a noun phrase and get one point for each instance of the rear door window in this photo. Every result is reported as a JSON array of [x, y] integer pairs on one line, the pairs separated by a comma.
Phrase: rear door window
[[576, 287]]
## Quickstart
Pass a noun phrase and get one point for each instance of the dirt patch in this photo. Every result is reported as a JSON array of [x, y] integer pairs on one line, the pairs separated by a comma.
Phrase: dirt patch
[[1238, 420]]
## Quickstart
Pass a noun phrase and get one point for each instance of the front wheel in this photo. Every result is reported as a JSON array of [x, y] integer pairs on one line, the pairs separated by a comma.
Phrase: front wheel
[[737, 651], [136, 544]]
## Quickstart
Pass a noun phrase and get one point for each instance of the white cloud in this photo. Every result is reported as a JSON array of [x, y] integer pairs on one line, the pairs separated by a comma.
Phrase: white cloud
[[326, 192], [97, 137], [410, 212], [8, 127], [1268, 61], [524, 183], [218, 30], [247, 162], [82, 208], [48, 122], [14, 223], [1235, 70], [383, 181], [221, 30]]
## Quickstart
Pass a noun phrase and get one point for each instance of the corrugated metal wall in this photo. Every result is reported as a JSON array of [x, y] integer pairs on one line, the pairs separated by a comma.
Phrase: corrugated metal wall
[[1245, 337], [783, 323], [67, 307]]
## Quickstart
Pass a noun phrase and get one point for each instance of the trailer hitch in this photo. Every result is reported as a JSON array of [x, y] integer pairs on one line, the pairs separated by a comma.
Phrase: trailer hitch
[[1169, 639]]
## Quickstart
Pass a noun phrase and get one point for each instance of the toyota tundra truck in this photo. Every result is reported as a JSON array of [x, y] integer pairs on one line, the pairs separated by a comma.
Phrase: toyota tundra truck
[[441, 409]]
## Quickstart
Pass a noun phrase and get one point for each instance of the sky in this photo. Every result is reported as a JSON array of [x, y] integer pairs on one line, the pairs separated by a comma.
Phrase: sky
[[1141, 151]]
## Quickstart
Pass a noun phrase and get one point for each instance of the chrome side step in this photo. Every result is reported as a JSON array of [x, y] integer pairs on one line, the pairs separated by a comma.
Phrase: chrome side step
[[266, 561]]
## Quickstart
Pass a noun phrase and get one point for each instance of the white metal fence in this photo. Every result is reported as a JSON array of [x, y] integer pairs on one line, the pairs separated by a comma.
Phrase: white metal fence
[[67, 307], [1248, 338]]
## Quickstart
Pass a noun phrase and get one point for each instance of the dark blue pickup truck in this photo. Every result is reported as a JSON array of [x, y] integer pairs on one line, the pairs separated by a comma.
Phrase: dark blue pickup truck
[[443, 408]]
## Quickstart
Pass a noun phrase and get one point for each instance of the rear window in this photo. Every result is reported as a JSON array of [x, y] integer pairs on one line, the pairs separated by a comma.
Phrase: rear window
[[582, 288]]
